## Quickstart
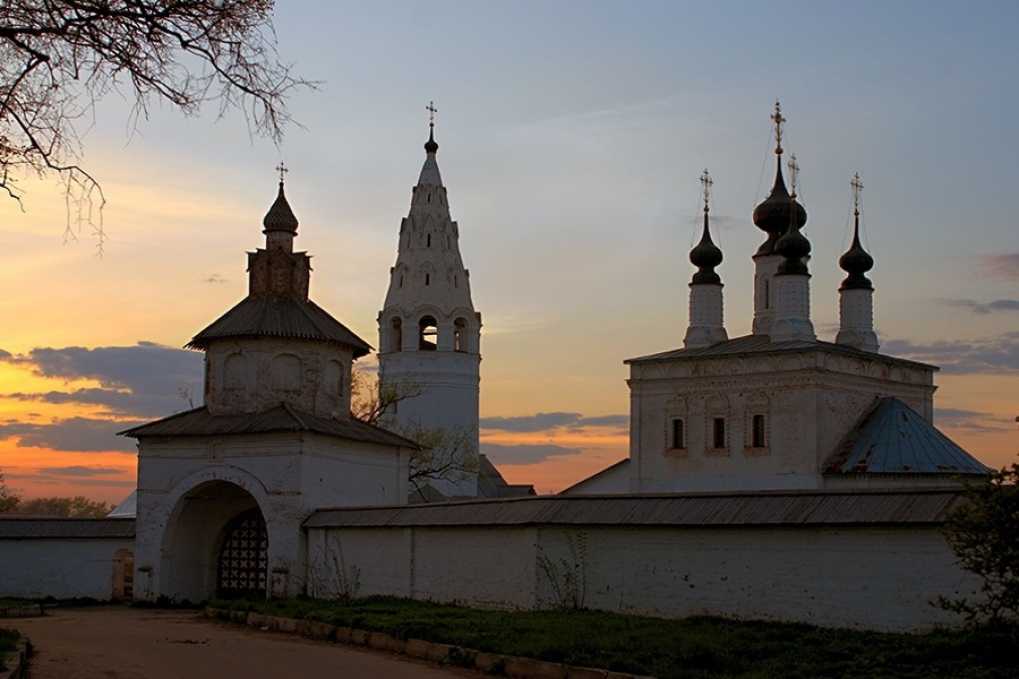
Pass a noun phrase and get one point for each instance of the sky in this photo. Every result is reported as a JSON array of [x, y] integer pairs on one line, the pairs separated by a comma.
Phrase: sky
[[571, 139]]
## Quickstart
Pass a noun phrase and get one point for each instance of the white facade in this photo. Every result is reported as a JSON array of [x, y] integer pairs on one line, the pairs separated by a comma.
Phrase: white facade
[[63, 568], [429, 332]]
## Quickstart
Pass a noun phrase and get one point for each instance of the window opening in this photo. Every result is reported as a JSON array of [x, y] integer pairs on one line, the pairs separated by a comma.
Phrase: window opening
[[428, 333], [757, 431], [678, 435], [719, 432], [459, 335]]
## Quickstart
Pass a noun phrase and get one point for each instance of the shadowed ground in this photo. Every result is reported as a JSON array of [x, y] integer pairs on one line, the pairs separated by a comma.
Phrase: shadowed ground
[[128, 643]]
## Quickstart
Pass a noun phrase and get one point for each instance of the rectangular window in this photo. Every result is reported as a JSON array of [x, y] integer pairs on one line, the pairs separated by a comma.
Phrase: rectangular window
[[757, 432], [678, 435], [719, 433]]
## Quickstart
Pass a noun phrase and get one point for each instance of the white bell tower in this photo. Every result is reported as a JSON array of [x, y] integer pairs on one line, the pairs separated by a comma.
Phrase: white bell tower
[[429, 332]]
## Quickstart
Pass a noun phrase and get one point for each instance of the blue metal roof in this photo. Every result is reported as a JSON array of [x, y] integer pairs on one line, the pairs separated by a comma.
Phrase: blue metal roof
[[894, 439]]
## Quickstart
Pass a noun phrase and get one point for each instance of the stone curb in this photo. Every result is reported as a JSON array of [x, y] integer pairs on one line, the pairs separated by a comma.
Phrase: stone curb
[[445, 654], [18, 667], [28, 611]]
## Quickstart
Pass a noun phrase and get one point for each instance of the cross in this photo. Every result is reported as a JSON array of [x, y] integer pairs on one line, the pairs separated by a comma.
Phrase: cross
[[857, 185], [282, 169], [794, 172], [706, 182], [778, 119], [431, 113]]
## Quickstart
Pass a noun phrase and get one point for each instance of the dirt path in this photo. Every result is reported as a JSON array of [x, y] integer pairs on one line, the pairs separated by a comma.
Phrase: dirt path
[[128, 643]]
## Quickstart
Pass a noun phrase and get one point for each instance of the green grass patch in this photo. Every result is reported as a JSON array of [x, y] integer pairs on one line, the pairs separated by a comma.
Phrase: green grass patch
[[8, 645], [691, 648]]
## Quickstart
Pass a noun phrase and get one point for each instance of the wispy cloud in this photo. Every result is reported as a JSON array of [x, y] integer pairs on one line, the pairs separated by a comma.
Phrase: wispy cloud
[[991, 355], [1005, 265], [996, 306], [214, 279], [556, 420], [78, 434], [78, 471], [970, 420], [525, 453]]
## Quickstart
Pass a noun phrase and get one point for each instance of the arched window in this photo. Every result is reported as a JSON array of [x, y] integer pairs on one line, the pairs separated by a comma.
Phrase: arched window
[[428, 279], [286, 373], [717, 434], [396, 335], [456, 283], [757, 432], [233, 371], [756, 423], [429, 241], [767, 293], [401, 280], [428, 332], [459, 335]]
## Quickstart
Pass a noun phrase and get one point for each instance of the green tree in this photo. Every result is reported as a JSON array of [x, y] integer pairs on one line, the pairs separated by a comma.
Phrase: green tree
[[77, 507], [984, 533]]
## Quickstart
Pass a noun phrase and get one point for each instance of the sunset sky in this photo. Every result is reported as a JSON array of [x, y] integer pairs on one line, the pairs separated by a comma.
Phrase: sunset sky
[[571, 139]]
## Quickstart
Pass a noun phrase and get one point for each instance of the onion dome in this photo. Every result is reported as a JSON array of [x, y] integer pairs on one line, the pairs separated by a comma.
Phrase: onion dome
[[777, 211], [794, 247], [280, 217], [706, 256], [856, 261]]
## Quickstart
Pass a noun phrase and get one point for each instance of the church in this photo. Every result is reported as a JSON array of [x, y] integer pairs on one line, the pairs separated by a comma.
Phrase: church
[[773, 476]]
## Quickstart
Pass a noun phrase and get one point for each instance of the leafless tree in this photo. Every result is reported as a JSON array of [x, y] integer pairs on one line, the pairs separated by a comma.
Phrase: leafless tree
[[59, 57], [446, 454]]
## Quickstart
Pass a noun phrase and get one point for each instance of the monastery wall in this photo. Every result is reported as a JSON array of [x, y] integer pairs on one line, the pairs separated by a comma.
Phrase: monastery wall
[[862, 577], [62, 568]]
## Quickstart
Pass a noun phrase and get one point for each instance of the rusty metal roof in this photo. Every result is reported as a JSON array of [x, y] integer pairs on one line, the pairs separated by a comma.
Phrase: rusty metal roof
[[762, 344], [13, 527], [769, 508], [281, 418], [279, 316], [892, 438]]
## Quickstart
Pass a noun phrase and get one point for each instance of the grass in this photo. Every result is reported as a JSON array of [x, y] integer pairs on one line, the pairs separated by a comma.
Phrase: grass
[[8, 645], [691, 648]]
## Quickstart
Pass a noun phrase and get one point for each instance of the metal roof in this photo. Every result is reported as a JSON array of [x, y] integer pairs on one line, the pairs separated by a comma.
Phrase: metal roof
[[13, 527], [279, 316], [892, 438], [768, 508], [598, 474], [282, 418], [762, 344]]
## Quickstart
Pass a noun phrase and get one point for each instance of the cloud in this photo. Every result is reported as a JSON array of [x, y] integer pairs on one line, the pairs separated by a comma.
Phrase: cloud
[[78, 471], [525, 453], [82, 434], [994, 355], [984, 307], [1005, 265], [143, 380], [970, 420], [545, 421], [214, 279]]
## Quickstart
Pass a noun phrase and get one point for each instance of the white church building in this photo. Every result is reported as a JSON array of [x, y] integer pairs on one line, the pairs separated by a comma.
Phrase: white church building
[[773, 476]]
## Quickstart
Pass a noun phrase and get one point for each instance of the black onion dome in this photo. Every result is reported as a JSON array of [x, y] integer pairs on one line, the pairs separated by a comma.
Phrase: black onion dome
[[774, 214], [280, 217], [706, 256], [431, 146], [856, 262], [794, 247]]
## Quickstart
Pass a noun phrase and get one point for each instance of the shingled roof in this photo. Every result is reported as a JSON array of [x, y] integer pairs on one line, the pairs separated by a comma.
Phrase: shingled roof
[[279, 316], [892, 438], [762, 344], [281, 418]]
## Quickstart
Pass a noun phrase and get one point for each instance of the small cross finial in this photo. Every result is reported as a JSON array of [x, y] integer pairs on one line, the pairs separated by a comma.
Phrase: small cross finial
[[794, 173], [706, 182], [779, 120], [431, 113], [857, 185], [282, 169]]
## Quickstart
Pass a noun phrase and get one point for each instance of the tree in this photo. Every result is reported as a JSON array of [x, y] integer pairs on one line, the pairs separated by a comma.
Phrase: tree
[[59, 57], [8, 499], [446, 455], [77, 507], [983, 533]]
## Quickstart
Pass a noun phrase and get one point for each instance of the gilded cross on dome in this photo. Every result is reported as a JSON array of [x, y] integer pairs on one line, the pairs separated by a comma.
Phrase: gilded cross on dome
[[706, 182], [857, 185], [779, 120], [431, 113]]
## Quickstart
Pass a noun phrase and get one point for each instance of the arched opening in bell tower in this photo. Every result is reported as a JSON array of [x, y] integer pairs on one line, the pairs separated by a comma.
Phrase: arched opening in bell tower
[[396, 335], [459, 335], [428, 333]]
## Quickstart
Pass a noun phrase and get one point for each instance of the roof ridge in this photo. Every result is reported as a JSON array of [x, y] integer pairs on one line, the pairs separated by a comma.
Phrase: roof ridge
[[182, 413]]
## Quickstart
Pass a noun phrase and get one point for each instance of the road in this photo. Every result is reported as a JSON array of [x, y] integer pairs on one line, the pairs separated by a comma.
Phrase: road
[[128, 643]]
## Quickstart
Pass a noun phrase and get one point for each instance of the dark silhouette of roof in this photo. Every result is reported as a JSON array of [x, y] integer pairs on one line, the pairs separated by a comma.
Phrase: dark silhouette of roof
[[279, 316], [762, 344], [281, 418], [892, 438], [14, 527]]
